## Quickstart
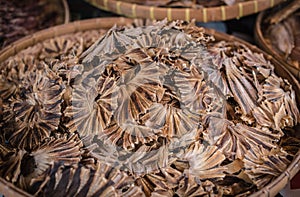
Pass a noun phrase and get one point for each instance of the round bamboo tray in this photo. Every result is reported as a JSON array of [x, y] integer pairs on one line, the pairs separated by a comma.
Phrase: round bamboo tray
[[218, 13], [262, 42], [8, 189]]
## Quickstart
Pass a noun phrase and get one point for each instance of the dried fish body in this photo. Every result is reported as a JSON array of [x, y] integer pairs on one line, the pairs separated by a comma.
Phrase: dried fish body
[[36, 110], [282, 38], [139, 110], [99, 181], [279, 109], [11, 164], [91, 110], [7, 88], [234, 140], [146, 160], [160, 181], [282, 32], [20, 166], [190, 186], [263, 165], [17, 69], [204, 161]]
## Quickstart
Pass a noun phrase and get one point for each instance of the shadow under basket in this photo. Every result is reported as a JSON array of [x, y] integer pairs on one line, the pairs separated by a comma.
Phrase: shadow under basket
[[272, 189]]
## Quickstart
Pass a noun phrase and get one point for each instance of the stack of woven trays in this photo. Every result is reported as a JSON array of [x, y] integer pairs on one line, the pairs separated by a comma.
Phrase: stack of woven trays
[[201, 11]]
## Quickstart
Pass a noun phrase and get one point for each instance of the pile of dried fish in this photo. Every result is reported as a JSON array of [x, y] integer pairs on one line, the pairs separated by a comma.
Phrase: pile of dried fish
[[283, 32], [185, 3], [155, 110], [21, 18]]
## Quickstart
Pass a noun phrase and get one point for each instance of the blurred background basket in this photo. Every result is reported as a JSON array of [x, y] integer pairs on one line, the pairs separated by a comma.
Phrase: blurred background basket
[[281, 26], [200, 14], [21, 18], [271, 189]]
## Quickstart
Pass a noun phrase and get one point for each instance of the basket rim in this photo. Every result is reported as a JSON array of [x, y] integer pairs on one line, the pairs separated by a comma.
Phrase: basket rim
[[261, 41], [95, 23], [217, 13], [66, 11]]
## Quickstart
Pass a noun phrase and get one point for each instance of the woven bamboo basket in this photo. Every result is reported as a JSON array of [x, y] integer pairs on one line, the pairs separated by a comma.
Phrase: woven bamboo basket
[[267, 46], [218, 13], [8, 189]]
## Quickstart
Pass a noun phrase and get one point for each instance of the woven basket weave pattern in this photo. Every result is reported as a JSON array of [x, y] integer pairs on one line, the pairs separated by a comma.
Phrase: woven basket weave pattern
[[219, 13]]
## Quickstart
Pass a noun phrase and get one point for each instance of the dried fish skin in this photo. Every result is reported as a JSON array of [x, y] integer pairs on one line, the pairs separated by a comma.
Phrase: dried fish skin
[[17, 68], [281, 37], [146, 160], [234, 140], [241, 88], [172, 122], [71, 46], [91, 109], [7, 88], [263, 165], [156, 116], [64, 149], [129, 135], [115, 43], [37, 111], [100, 181], [11, 165], [190, 186], [278, 110], [204, 161], [20, 166], [136, 94], [163, 180], [198, 94], [54, 48]]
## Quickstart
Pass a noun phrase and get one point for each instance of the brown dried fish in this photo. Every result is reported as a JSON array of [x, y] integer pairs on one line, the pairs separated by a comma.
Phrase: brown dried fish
[[20, 166], [204, 161], [99, 181], [91, 108], [146, 111], [234, 140], [36, 111], [263, 165]]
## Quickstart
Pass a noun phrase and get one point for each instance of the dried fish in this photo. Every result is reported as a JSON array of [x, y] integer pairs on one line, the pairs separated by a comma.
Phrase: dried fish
[[91, 109], [20, 166], [234, 140], [163, 180], [152, 110], [204, 161], [99, 181], [281, 32], [36, 111], [263, 165]]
